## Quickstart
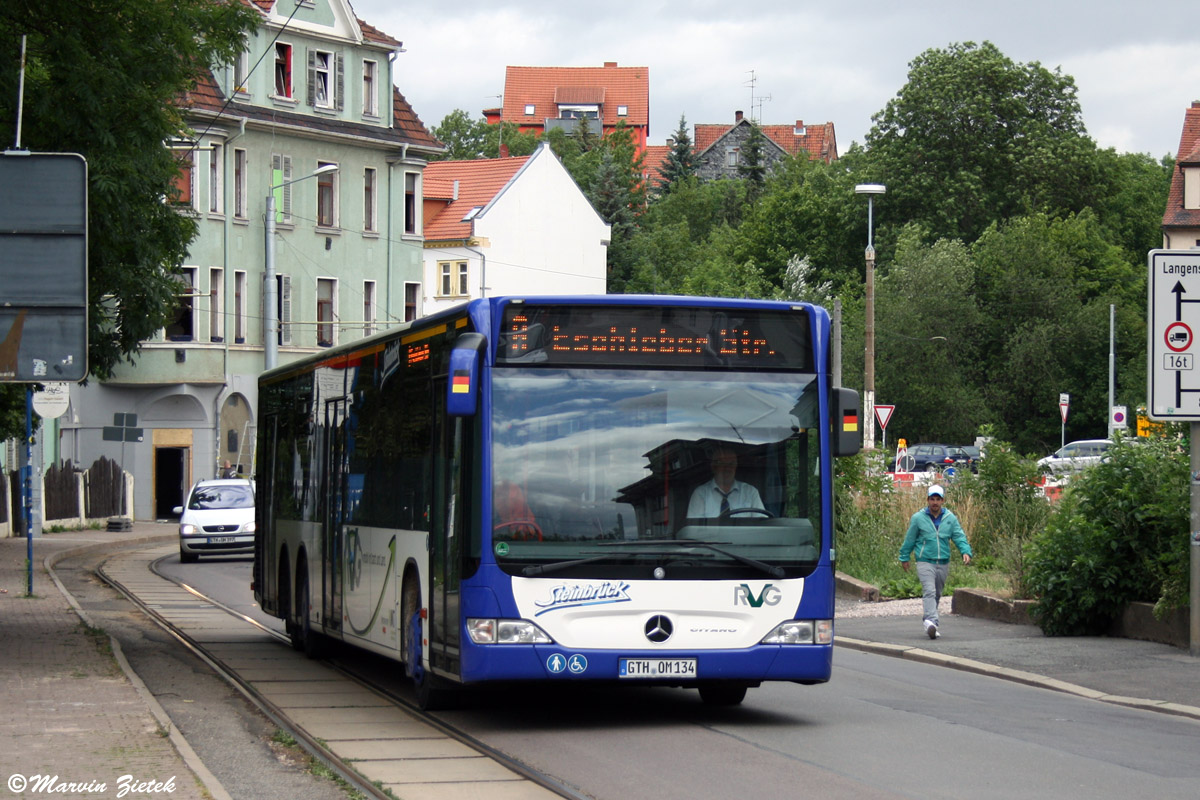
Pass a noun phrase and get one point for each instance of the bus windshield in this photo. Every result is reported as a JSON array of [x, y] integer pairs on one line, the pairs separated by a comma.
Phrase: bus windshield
[[637, 474]]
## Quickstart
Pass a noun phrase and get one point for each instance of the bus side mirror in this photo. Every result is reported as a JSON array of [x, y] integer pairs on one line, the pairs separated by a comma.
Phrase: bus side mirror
[[462, 387], [847, 428]]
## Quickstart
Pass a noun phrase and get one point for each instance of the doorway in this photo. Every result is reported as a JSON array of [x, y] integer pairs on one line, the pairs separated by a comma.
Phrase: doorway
[[170, 480]]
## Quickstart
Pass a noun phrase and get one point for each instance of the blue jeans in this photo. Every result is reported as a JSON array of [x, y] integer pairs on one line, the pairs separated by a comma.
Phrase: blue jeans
[[933, 580]]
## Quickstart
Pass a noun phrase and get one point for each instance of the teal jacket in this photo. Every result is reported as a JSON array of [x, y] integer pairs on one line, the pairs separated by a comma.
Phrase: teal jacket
[[933, 544]]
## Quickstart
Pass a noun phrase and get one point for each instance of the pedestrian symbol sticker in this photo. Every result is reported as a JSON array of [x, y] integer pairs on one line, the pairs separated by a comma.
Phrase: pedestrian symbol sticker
[[556, 663]]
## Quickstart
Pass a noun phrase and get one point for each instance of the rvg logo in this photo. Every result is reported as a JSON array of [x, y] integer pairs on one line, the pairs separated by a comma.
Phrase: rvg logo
[[744, 596]]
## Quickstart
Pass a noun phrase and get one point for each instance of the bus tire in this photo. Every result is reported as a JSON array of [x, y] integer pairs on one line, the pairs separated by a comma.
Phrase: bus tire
[[432, 693], [722, 693], [304, 638]]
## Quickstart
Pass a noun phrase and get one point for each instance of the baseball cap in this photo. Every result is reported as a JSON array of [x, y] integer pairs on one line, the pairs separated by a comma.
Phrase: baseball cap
[[935, 489]]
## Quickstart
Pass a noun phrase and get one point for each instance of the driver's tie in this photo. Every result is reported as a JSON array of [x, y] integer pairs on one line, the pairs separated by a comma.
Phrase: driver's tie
[[724, 501]]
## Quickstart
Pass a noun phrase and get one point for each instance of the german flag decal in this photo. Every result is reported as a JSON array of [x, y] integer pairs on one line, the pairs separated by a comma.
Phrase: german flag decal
[[461, 382], [850, 421]]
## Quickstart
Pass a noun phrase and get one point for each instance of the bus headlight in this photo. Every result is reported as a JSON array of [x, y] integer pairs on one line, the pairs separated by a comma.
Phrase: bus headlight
[[505, 631], [801, 631]]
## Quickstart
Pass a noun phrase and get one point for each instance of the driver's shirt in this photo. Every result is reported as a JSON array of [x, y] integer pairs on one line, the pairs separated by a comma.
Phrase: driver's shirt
[[706, 500]]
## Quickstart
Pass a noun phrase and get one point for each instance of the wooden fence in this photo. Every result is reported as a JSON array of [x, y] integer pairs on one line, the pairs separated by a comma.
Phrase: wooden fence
[[71, 497]]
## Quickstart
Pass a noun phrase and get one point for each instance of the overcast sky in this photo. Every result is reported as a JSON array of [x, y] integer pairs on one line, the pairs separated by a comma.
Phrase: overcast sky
[[1136, 65]]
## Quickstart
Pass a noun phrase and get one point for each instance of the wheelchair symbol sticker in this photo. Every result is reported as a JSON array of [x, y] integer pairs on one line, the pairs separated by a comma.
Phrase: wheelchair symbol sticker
[[577, 664]]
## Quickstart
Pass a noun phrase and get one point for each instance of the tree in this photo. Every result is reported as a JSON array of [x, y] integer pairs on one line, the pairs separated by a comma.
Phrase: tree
[[973, 137], [464, 137], [752, 164], [103, 80], [680, 163]]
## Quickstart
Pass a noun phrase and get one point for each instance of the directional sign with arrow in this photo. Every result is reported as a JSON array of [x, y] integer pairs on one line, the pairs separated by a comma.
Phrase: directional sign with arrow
[[1173, 383]]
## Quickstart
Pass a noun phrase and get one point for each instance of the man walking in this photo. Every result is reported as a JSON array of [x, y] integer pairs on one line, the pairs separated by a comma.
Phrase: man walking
[[930, 533]]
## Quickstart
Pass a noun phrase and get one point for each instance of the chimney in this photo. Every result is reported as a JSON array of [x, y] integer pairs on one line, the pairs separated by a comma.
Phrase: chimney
[[455, 195], [671, 142], [737, 117], [503, 150], [608, 64]]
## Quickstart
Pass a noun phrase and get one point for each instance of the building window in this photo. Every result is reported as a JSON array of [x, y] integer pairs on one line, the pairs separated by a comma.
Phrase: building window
[[283, 308], [327, 216], [622, 111], [216, 304], [239, 307], [182, 327], [731, 156], [326, 74], [281, 173], [241, 72], [578, 112], [412, 291], [215, 204], [410, 202], [283, 70], [463, 288], [239, 184], [529, 109], [370, 88], [369, 194], [185, 178], [369, 308], [452, 279], [326, 303]]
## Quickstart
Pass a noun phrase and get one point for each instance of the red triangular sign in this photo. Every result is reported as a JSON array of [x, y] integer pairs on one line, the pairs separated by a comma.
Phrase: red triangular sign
[[883, 414]]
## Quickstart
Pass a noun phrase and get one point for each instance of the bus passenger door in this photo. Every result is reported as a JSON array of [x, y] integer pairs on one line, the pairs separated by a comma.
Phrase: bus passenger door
[[333, 516], [452, 498]]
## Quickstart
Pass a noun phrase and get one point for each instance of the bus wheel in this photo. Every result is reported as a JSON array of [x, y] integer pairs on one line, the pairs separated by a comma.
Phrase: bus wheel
[[722, 694], [304, 638], [432, 693]]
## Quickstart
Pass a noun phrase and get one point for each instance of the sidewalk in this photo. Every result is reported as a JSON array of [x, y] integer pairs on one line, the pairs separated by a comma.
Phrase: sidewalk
[[72, 715], [1129, 672]]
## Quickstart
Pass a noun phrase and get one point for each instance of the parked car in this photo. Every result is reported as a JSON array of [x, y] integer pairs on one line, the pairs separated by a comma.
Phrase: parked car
[[1075, 456], [976, 453], [935, 458], [218, 519]]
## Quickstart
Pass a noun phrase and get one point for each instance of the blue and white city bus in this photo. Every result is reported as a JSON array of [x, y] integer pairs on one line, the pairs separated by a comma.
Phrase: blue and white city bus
[[512, 490]]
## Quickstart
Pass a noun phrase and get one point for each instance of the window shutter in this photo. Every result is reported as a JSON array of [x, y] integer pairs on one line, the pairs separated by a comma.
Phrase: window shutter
[[312, 76], [287, 190], [285, 309], [340, 90]]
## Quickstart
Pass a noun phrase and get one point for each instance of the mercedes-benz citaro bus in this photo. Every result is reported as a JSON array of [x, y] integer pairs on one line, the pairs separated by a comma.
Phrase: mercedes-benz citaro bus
[[618, 488]]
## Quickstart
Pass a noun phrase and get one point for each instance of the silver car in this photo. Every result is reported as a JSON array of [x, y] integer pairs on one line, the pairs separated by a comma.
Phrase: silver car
[[1075, 456], [218, 519]]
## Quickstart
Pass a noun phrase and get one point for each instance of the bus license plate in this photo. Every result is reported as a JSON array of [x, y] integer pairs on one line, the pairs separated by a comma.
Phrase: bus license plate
[[222, 539], [657, 667]]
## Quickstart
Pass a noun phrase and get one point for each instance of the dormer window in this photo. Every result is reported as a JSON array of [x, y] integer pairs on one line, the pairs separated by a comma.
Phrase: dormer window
[[579, 112]]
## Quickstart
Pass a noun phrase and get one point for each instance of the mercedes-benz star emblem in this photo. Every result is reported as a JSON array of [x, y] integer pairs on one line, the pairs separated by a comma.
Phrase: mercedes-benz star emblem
[[659, 628]]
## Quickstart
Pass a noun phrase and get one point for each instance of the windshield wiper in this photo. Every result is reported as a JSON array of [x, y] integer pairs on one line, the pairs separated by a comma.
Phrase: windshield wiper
[[773, 571], [542, 569]]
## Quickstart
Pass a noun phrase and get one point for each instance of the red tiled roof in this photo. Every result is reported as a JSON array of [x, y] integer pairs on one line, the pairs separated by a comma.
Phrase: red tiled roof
[[652, 161], [1188, 155], [478, 184], [818, 141], [372, 34], [541, 87]]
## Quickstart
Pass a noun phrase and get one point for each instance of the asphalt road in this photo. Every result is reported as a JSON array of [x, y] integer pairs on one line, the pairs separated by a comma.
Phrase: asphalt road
[[883, 728]]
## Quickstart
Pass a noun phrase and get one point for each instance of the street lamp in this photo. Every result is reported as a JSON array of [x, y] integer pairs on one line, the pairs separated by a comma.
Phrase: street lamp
[[870, 190], [270, 301]]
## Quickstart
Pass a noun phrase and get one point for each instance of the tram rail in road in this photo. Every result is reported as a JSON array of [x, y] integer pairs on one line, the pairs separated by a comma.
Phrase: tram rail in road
[[369, 735]]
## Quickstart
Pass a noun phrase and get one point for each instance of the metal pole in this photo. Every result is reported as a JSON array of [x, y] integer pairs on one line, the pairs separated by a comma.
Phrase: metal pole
[[1112, 365], [270, 302], [1194, 607], [27, 488], [869, 382]]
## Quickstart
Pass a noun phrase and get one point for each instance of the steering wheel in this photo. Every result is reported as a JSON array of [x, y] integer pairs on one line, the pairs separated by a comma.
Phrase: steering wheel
[[522, 529], [754, 510]]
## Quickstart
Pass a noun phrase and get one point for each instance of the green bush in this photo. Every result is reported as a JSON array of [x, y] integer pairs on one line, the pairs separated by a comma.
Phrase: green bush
[[1119, 535]]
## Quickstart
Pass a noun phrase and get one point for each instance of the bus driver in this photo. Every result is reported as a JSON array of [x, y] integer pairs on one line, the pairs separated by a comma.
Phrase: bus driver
[[724, 493]]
